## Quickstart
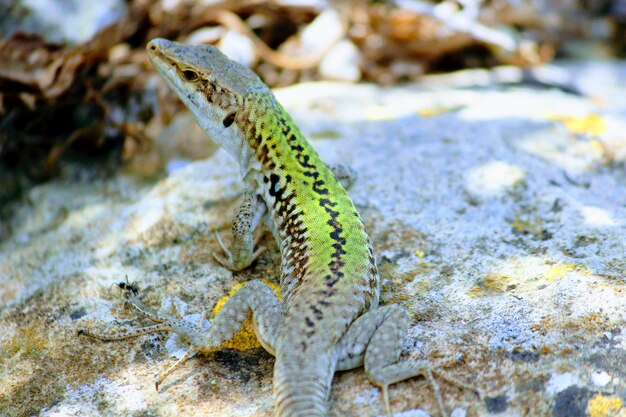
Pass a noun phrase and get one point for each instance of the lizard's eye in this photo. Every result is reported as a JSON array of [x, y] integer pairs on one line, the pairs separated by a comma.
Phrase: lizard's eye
[[229, 119], [190, 75]]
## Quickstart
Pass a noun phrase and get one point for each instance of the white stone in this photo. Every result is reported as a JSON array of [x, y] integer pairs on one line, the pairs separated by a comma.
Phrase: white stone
[[459, 412], [72, 21], [205, 35], [493, 179], [600, 378], [238, 47], [323, 32], [560, 382], [342, 63]]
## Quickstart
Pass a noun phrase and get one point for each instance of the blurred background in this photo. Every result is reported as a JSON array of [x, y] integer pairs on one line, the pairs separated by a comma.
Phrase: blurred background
[[79, 98]]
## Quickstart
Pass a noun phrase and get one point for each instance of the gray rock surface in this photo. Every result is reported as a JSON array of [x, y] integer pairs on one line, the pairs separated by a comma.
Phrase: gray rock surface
[[497, 220]]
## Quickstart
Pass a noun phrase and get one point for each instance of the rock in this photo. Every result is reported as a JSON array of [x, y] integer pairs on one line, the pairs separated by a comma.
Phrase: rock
[[341, 63], [600, 378], [458, 412], [560, 382], [523, 284], [322, 33], [205, 35], [493, 179], [184, 139], [71, 21], [238, 47]]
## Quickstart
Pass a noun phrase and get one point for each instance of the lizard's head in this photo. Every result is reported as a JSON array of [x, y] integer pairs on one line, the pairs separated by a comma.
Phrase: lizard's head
[[215, 88]]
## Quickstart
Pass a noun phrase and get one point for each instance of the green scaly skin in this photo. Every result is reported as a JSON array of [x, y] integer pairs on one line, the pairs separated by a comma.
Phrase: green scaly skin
[[329, 319], [319, 230]]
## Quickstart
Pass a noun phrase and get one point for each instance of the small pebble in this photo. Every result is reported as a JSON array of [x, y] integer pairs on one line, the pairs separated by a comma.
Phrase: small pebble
[[560, 382], [238, 47], [459, 412], [323, 32], [493, 179], [600, 378], [342, 63]]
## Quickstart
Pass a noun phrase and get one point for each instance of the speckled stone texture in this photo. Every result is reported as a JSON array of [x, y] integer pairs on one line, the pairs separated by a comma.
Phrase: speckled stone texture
[[498, 217]]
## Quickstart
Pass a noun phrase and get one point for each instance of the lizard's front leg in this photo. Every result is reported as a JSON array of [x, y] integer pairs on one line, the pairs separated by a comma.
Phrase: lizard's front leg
[[254, 299], [241, 252]]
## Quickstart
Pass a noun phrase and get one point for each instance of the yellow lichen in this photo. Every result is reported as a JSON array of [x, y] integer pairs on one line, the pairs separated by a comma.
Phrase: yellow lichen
[[490, 284], [522, 225], [28, 340], [476, 291], [590, 323], [245, 339], [604, 406], [559, 271], [424, 267], [546, 323], [421, 287], [596, 146], [545, 350], [377, 113], [591, 124], [438, 110]]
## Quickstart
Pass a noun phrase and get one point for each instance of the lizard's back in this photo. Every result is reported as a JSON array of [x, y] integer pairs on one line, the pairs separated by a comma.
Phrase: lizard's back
[[328, 271]]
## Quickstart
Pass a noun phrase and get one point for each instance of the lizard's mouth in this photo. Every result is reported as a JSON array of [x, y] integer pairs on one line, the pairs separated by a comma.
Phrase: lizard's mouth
[[159, 51], [155, 50], [155, 46]]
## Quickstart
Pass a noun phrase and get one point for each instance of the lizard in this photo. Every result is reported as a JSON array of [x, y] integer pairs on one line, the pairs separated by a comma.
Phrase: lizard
[[330, 318]]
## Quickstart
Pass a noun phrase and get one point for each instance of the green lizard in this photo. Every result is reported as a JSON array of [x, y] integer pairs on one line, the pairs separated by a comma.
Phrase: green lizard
[[329, 319]]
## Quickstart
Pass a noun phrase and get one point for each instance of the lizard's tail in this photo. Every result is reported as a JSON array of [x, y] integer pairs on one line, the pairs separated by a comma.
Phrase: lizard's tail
[[302, 386]]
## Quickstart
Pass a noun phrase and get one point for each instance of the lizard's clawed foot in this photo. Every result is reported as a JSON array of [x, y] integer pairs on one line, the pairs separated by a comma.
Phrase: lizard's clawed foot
[[188, 354], [429, 373], [164, 322], [236, 260]]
